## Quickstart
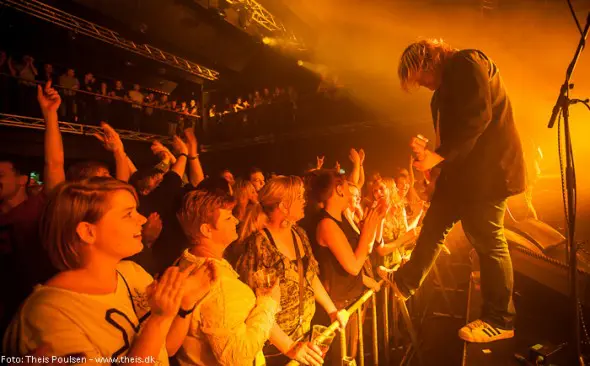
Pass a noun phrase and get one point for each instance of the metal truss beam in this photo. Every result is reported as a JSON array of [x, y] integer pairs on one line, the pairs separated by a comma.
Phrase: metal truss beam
[[74, 128], [65, 20], [79, 129], [266, 20]]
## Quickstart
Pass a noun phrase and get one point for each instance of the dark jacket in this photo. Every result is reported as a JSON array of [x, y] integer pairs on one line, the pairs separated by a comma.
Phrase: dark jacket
[[478, 137]]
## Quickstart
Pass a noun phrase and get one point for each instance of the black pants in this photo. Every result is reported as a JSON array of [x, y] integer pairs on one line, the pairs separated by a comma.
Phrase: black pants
[[483, 223]]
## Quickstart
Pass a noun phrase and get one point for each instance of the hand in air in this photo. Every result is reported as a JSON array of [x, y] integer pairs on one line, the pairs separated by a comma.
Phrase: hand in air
[[362, 156], [354, 156], [319, 162], [109, 138], [49, 99]]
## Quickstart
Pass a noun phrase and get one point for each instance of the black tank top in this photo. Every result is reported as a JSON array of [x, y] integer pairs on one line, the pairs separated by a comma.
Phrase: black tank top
[[341, 285]]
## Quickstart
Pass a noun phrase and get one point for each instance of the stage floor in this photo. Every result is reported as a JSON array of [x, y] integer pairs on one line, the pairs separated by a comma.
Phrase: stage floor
[[542, 319]]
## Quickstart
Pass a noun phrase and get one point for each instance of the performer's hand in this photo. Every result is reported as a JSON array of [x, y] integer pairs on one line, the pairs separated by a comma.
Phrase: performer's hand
[[431, 159]]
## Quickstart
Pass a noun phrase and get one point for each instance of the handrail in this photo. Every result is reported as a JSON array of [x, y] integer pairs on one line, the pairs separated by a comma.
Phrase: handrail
[[117, 99], [335, 326]]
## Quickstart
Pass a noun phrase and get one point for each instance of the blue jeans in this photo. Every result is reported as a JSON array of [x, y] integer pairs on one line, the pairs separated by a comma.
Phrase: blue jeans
[[483, 223]]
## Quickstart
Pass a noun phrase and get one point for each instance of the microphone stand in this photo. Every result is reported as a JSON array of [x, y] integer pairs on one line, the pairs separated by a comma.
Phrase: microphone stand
[[562, 105]]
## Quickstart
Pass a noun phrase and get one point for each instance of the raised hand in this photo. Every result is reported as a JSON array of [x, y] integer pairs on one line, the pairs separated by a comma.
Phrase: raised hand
[[179, 146], [151, 229], [319, 162], [354, 156], [191, 140], [49, 99], [110, 138], [362, 156], [337, 166]]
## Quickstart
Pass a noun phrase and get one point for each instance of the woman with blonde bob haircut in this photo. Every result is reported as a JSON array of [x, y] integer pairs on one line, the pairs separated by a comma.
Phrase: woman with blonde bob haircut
[[282, 247], [99, 305]]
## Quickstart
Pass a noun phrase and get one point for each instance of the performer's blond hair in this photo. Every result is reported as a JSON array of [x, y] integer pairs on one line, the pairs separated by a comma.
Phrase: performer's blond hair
[[418, 56]]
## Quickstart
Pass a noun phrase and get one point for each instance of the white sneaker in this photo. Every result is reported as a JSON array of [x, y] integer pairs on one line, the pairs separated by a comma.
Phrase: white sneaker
[[387, 275], [479, 331]]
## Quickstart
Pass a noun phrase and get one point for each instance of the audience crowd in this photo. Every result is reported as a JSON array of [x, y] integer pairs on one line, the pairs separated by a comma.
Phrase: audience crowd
[[88, 99], [173, 266]]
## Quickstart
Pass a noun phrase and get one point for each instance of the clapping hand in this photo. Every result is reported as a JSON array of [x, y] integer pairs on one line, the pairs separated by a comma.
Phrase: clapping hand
[[354, 156], [199, 283], [179, 146], [165, 293], [162, 151], [362, 156], [191, 141], [109, 138]]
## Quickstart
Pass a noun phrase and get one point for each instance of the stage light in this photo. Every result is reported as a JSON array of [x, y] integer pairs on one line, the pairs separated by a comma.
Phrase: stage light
[[266, 40], [299, 63]]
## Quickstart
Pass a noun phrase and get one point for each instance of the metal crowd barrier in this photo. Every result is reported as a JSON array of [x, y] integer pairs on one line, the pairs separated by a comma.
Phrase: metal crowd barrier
[[358, 308]]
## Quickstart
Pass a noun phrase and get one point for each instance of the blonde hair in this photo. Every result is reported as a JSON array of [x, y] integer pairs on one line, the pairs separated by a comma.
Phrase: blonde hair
[[69, 204], [276, 190], [423, 55], [241, 188], [201, 207]]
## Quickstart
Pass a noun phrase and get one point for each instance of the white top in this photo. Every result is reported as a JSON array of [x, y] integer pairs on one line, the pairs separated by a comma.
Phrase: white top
[[231, 325], [73, 323]]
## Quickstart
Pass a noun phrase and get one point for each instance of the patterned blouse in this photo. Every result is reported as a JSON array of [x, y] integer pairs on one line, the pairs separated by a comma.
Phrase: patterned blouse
[[261, 253]]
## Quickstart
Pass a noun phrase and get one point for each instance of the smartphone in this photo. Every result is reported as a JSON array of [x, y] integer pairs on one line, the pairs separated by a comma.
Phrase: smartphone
[[36, 177]]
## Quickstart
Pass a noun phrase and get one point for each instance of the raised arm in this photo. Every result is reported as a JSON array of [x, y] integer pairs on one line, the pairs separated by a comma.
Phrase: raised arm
[[330, 235], [112, 142], [361, 182], [182, 150], [356, 166], [49, 101], [165, 156], [195, 170]]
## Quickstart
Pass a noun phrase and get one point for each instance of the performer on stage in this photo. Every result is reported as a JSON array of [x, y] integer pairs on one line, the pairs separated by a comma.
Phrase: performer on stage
[[479, 154]]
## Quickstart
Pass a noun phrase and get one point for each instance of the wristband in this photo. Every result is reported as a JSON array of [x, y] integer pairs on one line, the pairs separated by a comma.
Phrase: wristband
[[184, 313]]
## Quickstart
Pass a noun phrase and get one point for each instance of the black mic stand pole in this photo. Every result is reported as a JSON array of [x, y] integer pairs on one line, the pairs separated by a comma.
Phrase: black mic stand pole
[[562, 104]]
